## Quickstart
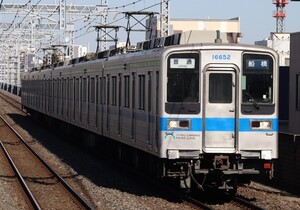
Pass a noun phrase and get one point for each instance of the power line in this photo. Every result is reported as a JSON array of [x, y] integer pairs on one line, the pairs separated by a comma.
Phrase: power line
[[26, 15], [110, 8], [86, 26], [1, 3]]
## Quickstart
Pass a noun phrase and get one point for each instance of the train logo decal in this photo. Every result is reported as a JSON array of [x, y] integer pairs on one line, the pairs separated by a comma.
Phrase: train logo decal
[[169, 136]]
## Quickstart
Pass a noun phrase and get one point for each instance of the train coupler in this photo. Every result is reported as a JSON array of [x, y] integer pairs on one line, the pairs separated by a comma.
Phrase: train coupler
[[221, 162]]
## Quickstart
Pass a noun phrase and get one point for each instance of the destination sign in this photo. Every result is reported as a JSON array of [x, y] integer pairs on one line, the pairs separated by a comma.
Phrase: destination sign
[[257, 64], [182, 63]]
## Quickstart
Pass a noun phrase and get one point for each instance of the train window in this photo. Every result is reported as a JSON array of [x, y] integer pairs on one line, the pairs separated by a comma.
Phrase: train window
[[104, 90], [97, 89], [149, 91], [126, 90], [183, 84], [54, 88], [133, 91], [133, 108], [77, 89], [56, 99], [92, 92], [100, 90], [64, 95], [84, 90], [61, 88], [297, 92], [119, 90], [257, 79], [183, 78], [47, 94], [220, 88], [60, 93], [114, 91], [65, 89], [58, 89], [72, 89], [108, 91], [37, 93], [141, 92]]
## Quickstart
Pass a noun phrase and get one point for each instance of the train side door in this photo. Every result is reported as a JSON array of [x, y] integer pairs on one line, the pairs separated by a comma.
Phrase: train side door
[[219, 120]]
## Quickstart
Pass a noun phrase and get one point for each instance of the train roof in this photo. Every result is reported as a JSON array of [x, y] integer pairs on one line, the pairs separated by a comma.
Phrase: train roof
[[184, 38]]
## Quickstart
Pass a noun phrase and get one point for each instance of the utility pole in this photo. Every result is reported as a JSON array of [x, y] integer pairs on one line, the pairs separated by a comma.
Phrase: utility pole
[[138, 25], [38, 26], [165, 18], [103, 32]]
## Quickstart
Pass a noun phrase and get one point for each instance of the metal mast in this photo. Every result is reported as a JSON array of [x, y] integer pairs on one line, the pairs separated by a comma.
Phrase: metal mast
[[165, 17], [33, 26], [103, 32], [280, 14], [103, 38], [138, 25]]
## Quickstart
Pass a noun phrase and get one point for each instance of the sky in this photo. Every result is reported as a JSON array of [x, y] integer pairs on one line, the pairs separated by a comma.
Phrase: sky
[[256, 16]]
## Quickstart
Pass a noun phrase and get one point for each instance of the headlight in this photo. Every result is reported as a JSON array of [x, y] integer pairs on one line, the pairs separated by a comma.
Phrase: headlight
[[181, 124], [261, 125], [173, 124]]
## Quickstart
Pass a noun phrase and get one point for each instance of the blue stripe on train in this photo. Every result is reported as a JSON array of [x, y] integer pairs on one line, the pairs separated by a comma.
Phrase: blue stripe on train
[[196, 123], [244, 125], [219, 124]]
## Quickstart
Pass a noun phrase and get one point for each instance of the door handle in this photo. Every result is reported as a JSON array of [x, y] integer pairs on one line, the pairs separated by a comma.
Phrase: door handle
[[231, 110]]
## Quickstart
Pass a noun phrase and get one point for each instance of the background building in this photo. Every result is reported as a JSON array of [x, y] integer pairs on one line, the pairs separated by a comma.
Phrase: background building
[[80, 50], [224, 25], [181, 25], [294, 84], [280, 42]]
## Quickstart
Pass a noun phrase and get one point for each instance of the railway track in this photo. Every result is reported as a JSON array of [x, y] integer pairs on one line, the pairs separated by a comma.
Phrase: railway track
[[13, 101], [221, 201], [43, 187], [193, 201], [242, 203], [196, 200], [188, 200]]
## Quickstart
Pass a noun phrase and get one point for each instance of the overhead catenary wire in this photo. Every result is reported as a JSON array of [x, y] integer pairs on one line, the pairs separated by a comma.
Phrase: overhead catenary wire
[[16, 15], [87, 26], [87, 32]]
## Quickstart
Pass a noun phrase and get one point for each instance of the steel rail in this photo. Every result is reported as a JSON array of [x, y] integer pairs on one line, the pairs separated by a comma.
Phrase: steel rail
[[4, 97], [25, 187], [78, 197]]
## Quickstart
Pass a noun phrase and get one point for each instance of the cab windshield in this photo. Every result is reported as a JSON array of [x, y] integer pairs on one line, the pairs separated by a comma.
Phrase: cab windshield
[[183, 84], [183, 78], [257, 79]]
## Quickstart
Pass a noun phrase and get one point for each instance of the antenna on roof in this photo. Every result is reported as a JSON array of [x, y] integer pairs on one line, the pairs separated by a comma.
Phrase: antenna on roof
[[280, 14]]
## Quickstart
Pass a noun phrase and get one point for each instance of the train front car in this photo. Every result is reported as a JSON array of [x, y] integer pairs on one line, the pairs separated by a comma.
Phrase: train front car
[[219, 115]]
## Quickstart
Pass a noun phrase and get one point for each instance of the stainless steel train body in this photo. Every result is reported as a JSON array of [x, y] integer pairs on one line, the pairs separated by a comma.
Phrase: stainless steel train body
[[200, 108]]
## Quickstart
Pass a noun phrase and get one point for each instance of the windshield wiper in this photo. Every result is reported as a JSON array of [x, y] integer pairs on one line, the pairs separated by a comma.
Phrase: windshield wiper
[[252, 100]]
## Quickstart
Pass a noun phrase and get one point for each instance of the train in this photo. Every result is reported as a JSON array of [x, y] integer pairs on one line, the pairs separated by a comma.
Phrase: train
[[202, 113]]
